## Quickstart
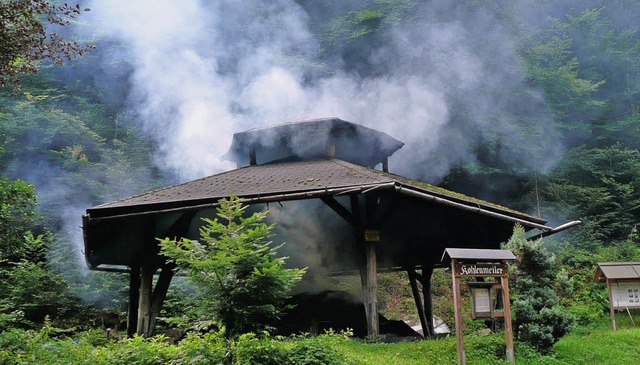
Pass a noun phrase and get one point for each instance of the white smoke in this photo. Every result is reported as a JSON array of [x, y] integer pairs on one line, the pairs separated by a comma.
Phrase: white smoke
[[204, 70]]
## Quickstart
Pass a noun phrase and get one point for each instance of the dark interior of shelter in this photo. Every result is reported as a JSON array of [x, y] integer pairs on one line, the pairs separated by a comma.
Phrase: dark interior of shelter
[[333, 168]]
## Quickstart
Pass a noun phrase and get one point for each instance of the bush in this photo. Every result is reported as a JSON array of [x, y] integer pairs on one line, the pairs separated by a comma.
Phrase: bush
[[314, 351], [235, 268], [210, 348], [252, 350], [538, 319]]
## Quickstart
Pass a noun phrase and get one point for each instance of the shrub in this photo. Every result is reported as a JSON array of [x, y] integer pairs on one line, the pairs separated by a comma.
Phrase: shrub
[[537, 316], [252, 350], [210, 348], [314, 352], [235, 269]]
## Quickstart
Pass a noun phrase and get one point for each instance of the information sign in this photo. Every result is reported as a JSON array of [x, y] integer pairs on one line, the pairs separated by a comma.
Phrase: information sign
[[625, 295], [494, 270], [481, 302]]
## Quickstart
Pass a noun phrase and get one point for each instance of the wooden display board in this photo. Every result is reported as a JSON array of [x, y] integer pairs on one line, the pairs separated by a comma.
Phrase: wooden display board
[[623, 286], [474, 263], [625, 295]]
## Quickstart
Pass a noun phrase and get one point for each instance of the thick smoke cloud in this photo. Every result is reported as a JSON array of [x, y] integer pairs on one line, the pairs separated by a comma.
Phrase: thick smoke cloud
[[445, 82], [204, 70]]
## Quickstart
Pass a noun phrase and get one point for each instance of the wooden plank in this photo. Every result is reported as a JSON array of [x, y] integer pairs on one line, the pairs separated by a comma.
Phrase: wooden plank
[[467, 287], [134, 299], [481, 270], [144, 304], [427, 272], [612, 311], [457, 305], [507, 319], [340, 209], [418, 300], [495, 314], [371, 289], [159, 295], [365, 298]]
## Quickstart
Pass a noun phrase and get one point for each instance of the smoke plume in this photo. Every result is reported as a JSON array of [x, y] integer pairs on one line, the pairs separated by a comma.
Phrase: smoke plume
[[200, 71], [445, 81]]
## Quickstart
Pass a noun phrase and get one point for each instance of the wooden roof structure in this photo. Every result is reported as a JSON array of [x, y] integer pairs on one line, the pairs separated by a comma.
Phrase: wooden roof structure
[[311, 139], [477, 254], [623, 285], [412, 221], [617, 271], [114, 233]]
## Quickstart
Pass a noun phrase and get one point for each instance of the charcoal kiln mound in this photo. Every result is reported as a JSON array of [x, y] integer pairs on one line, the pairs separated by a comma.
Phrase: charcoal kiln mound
[[318, 312]]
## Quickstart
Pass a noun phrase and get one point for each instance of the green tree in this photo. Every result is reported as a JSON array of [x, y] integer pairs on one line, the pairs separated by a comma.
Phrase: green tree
[[29, 290], [235, 269], [538, 318], [600, 186], [17, 216], [25, 40]]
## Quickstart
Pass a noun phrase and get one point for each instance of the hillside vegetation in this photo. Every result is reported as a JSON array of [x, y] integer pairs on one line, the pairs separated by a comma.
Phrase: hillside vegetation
[[533, 105]]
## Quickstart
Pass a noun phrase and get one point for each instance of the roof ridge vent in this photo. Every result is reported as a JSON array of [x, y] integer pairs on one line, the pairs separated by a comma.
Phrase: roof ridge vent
[[313, 139]]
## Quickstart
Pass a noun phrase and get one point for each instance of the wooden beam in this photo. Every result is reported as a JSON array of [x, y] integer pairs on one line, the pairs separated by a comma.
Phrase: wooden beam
[[612, 311], [413, 276], [340, 209], [371, 289], [457, 307], [369, 269], [150, 300], [504, 281], [427, 271], [159, 295], [144, 304], [134, 298]]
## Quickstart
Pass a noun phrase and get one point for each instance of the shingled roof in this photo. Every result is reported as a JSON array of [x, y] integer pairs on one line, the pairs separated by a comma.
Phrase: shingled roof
[[617, 271], [294, 181]]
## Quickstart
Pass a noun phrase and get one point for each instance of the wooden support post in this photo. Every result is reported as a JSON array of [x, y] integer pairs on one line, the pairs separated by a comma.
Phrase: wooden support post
[[427, 271], [159, 295], [371, 290], [385, 165], [134, 297], [416, 297], [457, 304], [504, 282], [365, 298], [368, 270], [612, 311], [144, 304]]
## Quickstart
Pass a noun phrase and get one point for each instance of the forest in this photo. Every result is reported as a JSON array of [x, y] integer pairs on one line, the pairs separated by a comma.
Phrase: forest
[[533, 105]]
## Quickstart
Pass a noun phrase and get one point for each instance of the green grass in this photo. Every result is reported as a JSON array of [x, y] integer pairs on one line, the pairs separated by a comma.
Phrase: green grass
[[593, 344], [485, 350], [600, 347], [420, 352]]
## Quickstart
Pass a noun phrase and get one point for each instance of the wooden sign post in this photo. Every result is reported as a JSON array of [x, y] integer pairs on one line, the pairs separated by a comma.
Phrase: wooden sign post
[[479, 263], [623, 286]]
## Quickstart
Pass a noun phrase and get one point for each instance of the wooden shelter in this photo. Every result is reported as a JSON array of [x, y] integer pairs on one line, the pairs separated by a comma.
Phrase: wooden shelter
[[623, 285], [399, 223]]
